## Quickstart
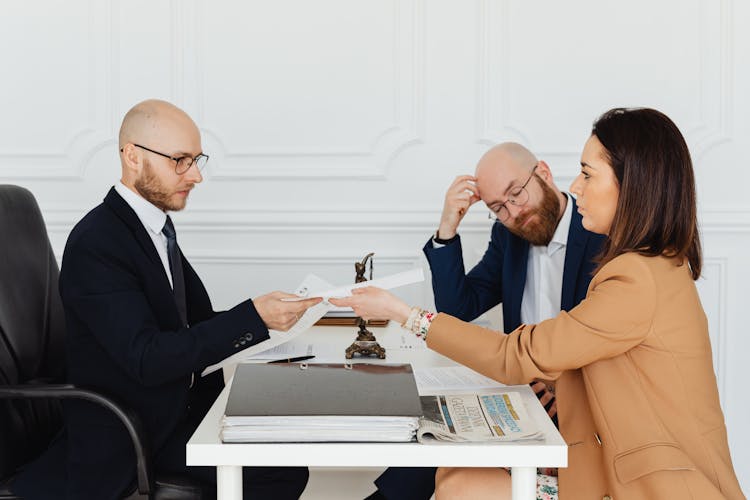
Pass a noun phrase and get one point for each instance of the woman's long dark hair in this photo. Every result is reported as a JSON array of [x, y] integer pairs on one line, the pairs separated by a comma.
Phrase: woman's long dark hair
[[656, 211]]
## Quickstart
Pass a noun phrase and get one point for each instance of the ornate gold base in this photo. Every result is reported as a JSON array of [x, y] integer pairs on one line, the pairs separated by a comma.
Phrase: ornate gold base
[[365, 345], [365, 348]]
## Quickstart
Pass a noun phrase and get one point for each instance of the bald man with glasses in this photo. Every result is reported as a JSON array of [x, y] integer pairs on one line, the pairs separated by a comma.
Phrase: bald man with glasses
[[140, 325], [539, 261]]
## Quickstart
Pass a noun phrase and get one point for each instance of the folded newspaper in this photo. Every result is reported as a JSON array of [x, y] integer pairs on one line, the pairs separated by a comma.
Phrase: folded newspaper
[[476, 418]]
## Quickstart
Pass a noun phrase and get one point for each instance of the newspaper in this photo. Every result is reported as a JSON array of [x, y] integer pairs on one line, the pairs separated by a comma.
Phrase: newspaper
[[476, 418]]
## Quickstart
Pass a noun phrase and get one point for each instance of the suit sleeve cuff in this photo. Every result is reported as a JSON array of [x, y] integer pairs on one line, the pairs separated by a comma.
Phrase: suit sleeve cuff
[[438, 242]]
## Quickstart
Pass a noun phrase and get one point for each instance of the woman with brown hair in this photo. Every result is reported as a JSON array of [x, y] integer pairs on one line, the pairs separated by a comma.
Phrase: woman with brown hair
[[636, 392]]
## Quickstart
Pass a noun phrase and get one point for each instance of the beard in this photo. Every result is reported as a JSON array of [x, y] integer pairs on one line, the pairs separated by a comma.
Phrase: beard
[[540, 231], [150, 187]]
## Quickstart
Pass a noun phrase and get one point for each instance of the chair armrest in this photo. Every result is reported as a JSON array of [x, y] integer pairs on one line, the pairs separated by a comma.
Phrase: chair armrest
[[129, 418]]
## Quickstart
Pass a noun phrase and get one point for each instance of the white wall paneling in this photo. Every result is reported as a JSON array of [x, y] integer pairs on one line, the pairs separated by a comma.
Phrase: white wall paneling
[[360, 68], [537, 71], [334, 127], [58, 104]]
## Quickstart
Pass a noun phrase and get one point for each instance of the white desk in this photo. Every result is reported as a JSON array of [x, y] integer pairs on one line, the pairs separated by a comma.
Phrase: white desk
[[205, 447]]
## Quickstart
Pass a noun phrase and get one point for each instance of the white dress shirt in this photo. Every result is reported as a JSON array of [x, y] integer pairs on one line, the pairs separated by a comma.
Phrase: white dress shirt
[[152, 218], [542, 294]]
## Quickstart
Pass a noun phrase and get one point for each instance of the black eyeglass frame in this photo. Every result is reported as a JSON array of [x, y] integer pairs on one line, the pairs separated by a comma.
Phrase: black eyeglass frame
[[495, 214], [177, 160]]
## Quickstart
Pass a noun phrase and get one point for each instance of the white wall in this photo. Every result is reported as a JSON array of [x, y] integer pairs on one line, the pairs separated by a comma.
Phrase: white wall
[[334, 126]]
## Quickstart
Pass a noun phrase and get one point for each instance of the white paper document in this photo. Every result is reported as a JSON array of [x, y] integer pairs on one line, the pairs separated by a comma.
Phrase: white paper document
[[312, 283], [312, 286], [387, 283], [282, 351], [437, 380], [405, 341], [307, 320]]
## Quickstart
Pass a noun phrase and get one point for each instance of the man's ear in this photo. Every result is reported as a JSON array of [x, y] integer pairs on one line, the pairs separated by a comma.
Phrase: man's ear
[[132, 160], [543, 171]]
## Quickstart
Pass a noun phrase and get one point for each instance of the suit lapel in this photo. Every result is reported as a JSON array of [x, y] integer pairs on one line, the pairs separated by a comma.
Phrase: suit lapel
[[514, 293], [574, 253], [121, 208]]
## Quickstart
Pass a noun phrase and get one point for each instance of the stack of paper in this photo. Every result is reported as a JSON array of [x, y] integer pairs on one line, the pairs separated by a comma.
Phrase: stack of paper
[[318, 429], [321, 403]]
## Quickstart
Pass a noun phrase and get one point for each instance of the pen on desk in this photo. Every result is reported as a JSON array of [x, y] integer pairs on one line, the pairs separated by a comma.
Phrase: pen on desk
[[292, 360]]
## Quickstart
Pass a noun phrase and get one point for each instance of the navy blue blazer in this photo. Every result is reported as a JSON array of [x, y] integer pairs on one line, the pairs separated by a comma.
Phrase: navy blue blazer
[[124, 337], [501, 274]]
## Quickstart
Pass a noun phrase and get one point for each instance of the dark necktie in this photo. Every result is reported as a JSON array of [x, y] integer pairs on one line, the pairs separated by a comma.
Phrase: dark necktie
[[175, 265]]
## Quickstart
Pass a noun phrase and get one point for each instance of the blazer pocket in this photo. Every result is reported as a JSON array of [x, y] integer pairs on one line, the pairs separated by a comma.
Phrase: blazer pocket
[[638, 462]]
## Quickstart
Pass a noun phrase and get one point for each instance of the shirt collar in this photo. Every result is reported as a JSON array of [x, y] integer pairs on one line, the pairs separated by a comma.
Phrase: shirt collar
[[152, 217], [560, 238]]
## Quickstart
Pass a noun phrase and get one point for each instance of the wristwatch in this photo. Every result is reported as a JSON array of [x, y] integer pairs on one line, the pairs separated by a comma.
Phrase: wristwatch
[[437, 238]]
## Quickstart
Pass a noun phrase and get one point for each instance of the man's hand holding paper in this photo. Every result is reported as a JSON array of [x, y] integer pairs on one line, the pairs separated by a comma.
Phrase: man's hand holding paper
[[279, 314]]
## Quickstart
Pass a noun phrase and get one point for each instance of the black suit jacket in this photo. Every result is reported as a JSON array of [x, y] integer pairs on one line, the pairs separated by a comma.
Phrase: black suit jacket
[[501, 274], [125, 338]]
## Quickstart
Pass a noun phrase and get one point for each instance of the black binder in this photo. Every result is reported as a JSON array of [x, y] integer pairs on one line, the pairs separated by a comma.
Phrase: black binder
[[302, 389]]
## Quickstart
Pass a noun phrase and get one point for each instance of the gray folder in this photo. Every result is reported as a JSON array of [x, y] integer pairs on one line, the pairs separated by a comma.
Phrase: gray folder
[[299, 389]]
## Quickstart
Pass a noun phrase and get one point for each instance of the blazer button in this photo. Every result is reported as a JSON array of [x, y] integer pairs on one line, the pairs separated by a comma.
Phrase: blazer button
[[248, 337], [236, 344]]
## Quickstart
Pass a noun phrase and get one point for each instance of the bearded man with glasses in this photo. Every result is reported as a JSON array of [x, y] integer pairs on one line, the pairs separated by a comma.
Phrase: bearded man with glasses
[[539, 262]]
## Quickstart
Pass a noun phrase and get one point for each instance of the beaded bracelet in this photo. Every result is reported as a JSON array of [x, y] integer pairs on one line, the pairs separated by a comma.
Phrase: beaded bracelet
[[409, 322], [423, 324], [418, 322]]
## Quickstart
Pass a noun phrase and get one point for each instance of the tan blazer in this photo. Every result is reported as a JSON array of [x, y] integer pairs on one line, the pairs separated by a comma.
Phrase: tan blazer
[[636, 391]]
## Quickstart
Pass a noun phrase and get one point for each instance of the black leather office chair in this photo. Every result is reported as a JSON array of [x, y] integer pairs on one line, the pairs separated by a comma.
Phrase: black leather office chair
[[32, 356]]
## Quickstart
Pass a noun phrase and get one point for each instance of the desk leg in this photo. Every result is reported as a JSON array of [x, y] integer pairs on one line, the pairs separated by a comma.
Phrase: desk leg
[[523, 480], [228, 482]]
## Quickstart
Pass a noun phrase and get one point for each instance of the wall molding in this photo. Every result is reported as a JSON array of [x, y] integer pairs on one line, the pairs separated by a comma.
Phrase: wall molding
[[256, 258], [715, 130], [721, 334], [715, 100], [398, 219], [326, 161], [69, 164]]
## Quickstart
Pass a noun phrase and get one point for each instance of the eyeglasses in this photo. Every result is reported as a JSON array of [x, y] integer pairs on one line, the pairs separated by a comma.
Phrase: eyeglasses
[[181, 164], [518, 197]]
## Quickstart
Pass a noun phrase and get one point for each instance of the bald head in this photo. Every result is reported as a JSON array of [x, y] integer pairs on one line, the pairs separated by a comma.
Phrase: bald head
[[155, 123], [508, 157], [154, 137], [504, 166]]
